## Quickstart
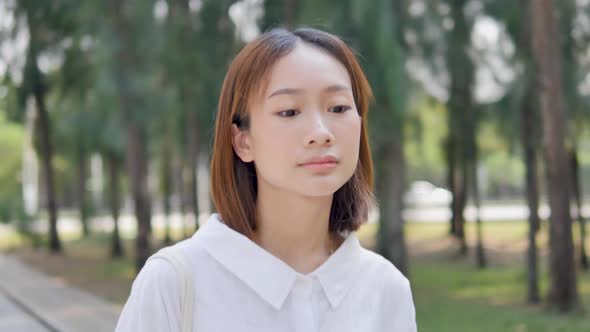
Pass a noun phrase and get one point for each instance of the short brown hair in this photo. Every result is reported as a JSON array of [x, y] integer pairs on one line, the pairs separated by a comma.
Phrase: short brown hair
[[233, 182]]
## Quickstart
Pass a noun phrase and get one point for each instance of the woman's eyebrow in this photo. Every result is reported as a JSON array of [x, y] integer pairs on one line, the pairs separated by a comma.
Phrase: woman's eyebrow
[[336, 88], [291, 91], [285, 91]]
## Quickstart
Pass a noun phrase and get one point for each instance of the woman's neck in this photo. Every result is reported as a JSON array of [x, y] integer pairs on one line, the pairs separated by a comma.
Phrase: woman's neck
[[295, 229]]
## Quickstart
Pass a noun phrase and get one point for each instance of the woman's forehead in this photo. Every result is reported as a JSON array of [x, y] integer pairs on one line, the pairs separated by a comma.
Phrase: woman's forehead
[[306, 68]]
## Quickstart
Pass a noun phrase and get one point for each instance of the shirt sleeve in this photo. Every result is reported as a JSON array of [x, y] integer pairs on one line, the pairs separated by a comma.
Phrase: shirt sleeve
[[398, 311], [411, 309], [154, 301]]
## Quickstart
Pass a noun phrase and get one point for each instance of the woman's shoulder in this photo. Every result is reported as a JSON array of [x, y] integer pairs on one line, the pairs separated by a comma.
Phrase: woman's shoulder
[[163, 272], [157, 273], [188, 250], [154, 299], [393, 289], [383, 272]]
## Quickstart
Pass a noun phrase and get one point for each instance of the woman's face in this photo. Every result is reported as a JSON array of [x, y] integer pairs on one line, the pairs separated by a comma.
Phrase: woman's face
[[306, 111]]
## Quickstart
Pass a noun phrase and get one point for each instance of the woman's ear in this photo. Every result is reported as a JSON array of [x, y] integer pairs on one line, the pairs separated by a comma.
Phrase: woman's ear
[[241, 143]]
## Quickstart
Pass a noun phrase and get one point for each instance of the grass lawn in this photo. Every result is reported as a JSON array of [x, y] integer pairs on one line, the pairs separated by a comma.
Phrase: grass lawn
[[450, 293], [456, 297]]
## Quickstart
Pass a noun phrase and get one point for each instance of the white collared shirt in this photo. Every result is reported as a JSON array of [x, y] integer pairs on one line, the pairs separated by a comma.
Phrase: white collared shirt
[[239, 286]]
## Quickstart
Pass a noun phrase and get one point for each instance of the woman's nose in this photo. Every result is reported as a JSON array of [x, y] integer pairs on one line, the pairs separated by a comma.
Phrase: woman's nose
[[319, 133]]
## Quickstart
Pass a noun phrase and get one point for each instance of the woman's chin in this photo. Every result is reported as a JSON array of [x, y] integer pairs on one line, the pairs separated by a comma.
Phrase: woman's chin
[[320, 189]]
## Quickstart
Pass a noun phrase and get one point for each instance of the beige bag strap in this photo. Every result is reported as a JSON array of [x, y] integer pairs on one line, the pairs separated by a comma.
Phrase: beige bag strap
[[178, 259]]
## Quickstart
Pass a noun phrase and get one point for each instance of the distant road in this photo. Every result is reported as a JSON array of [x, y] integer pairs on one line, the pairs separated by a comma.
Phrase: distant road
[[489, 213], [507, 212]]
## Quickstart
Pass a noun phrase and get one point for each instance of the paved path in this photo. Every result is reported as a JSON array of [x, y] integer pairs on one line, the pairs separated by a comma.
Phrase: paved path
[[31, 301], [14, 318]]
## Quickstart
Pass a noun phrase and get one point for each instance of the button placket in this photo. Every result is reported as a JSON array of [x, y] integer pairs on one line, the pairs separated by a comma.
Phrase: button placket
[[302, 294]]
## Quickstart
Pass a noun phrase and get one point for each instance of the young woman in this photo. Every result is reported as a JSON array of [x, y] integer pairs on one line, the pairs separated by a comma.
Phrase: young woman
[[291, 179]]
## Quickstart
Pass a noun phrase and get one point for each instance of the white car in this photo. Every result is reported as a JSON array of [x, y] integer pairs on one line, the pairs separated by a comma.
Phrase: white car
[[424, 193]]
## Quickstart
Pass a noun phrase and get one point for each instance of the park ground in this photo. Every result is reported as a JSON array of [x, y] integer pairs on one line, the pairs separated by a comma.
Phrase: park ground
[[450, 292]]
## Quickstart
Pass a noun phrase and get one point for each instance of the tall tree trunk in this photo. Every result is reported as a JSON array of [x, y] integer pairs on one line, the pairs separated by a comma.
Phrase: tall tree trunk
[[529, 138], [471, 123], [290, 13], [460, 201], [546, 52], [573, 104], [460, 104], [392, 243], [450, 158], [47, 156], [136, 145], [471, 159], [529, 124], [81, 189], [114, 199], [34, 85], [166, 173], [179, 188], [479, 249], [577, 191], [459, 193], [137, 170], [192, 153], [191, 127]]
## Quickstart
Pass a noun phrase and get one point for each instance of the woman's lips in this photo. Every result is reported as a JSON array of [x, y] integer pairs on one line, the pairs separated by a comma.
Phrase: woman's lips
[[320, 166]]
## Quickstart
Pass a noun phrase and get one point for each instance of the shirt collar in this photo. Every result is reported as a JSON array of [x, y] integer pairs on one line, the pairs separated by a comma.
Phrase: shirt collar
[[248, 261]]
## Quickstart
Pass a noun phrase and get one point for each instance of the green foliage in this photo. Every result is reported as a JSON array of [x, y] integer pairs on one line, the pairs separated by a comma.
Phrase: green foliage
[[505, 174], [386, 67], [11, 147], [424, 139]]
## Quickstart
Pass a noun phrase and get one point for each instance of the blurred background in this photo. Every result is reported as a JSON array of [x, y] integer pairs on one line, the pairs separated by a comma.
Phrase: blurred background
[[479, 130]]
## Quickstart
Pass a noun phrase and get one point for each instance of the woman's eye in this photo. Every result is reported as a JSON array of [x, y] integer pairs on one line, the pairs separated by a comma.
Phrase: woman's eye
[[288, 113], [340, 109]]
